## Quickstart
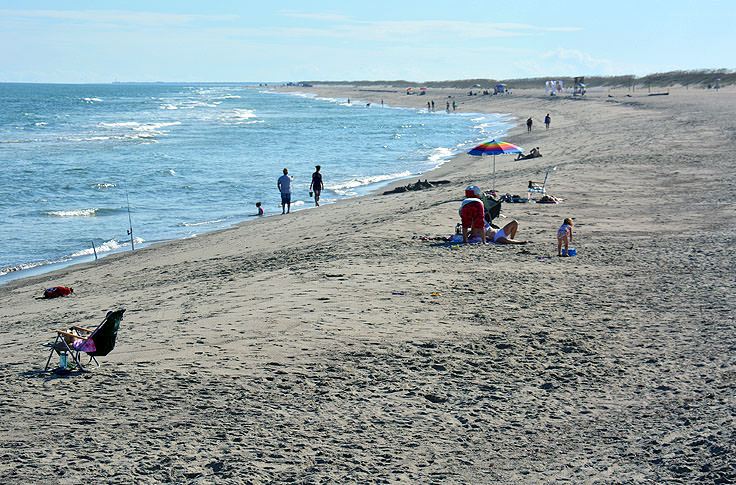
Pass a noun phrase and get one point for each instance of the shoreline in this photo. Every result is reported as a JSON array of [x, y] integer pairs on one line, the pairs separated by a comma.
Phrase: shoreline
[[328, 346], [40, 268]]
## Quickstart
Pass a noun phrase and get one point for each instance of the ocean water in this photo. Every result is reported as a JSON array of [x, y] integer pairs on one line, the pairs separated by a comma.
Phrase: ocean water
[[80, 164]]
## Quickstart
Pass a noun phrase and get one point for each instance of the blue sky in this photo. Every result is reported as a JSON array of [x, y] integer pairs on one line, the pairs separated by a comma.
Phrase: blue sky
[[186, 40]]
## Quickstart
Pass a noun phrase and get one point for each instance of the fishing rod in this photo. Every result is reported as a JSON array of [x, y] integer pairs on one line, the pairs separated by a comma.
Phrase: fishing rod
[[130, 222]]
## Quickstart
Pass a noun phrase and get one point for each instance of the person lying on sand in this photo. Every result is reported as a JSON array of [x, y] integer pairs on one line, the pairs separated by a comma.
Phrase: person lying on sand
[[505, 235], [534, 153]]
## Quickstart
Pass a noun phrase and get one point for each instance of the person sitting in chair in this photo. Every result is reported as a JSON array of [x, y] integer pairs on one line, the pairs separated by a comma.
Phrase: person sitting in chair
[[535, 185]]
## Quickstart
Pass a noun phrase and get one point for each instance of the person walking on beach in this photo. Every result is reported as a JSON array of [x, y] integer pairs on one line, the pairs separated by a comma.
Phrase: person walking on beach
[[529, 124], [284, 185], [547, 120], [316, 186], [433, 105]]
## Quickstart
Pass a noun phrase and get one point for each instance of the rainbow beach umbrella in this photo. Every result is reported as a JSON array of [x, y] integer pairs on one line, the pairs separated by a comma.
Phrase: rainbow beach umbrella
[[495, 148]]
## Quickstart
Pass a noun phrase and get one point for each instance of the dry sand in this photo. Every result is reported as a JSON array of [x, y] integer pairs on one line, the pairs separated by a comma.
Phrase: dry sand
[[334, 346]]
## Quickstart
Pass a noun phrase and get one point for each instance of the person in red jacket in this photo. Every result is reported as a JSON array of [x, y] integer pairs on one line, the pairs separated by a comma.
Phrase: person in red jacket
[[472, 215]]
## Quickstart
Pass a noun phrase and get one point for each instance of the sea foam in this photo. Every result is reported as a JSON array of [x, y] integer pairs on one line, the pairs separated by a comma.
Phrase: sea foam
[[71, 213]]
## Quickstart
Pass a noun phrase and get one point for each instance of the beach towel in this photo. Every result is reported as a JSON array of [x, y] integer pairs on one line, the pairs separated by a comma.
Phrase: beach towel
[[84, 345], [458, 238]]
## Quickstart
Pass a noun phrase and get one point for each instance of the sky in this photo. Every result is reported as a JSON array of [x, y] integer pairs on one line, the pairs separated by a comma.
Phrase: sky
[[104, 41]]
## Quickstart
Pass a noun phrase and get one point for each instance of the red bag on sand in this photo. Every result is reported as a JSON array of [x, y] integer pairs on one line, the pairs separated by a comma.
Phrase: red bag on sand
[[56, 291]]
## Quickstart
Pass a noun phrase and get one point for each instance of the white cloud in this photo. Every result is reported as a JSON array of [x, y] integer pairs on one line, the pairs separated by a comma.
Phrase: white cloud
[[421, 30], [119, 17], [316, 16], [569, 60]]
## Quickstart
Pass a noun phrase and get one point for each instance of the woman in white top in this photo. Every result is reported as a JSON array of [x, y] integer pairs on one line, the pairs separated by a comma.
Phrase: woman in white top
[[505, 235]]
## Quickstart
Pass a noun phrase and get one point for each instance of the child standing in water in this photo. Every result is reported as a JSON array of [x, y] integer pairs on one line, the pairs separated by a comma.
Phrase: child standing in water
[[564, 236]]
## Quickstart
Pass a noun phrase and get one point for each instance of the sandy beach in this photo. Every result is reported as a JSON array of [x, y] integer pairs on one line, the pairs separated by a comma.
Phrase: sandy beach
[[345, 344]]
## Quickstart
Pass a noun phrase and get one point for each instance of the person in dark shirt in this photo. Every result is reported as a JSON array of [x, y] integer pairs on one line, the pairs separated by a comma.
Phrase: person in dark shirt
[[316, 186]]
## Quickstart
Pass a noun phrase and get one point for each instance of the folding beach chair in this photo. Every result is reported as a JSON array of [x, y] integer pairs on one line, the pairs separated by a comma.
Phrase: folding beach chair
[[95, 343], [540, 188], [492, 208]]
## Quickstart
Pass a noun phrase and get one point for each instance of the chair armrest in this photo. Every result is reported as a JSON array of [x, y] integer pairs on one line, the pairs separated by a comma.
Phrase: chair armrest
[[73, 335], [82, 329]]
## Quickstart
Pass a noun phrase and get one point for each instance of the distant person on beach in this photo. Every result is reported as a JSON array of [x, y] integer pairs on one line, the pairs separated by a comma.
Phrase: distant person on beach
[[529, 124], [433, 105], [316, 186], [534, 153], [284, 185], [564, 236], [453, 105], [472, 215], [547, 121], [505, 235], [259, 210]]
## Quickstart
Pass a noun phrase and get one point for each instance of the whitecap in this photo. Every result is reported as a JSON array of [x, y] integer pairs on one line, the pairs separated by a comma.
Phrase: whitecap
[[103, 186], [203, 223], [155, 126], [105, 247], [71, 213], [25, 266], [346, 188], [124, 124], [440, 154]]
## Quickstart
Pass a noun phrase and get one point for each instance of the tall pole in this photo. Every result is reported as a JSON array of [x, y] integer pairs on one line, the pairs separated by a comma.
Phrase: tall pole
[[130, 222], [494, 174]]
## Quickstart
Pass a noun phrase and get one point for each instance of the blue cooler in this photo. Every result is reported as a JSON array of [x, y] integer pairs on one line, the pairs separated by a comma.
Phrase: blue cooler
[[571, 251]]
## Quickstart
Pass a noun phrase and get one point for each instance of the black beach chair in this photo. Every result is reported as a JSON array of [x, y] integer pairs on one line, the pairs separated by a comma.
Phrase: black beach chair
[[492, 208], [95, 343]]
